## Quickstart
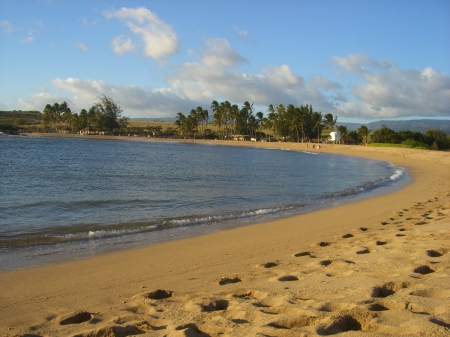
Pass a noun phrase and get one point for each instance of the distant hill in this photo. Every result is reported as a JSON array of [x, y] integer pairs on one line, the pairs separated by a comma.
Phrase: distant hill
[[18, 117], [421, 125]]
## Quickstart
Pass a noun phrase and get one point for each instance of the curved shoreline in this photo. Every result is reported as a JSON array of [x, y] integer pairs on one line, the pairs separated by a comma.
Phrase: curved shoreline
[[117, 285]]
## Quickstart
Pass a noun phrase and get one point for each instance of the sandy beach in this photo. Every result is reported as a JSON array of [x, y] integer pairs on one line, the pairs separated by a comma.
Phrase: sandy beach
[[376, 267]]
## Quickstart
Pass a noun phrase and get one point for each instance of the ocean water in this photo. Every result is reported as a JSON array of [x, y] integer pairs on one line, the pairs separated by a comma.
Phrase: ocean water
[[69, 198]]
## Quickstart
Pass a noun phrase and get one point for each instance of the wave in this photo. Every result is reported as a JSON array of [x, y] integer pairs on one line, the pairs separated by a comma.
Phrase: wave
[[397, 174], [369, 186], [97, 232], [92, 232]]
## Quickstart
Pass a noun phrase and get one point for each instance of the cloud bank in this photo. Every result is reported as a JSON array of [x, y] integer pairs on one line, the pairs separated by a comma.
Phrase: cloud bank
[[384, 90], [362, 88]]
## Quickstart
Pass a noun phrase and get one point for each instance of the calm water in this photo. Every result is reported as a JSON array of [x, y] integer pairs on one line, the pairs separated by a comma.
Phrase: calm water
[[65, 198]]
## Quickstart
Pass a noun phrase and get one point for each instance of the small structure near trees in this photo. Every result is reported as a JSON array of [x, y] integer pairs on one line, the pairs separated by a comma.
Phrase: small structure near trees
[[335, 136]]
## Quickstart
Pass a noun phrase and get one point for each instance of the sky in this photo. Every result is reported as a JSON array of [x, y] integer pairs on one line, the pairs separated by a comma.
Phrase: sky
[[359, 60]]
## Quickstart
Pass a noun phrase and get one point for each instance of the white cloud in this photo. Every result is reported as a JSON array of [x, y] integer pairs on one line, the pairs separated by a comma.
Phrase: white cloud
[[122, 45], [324, 83], [134, 101], [6, 26], [82, 46], [157, 37], [29, 38], [282, 76], [385, 90], [354, 63], [372, 90], [245, 35], [40, 100], [219, 53], [215, 76]]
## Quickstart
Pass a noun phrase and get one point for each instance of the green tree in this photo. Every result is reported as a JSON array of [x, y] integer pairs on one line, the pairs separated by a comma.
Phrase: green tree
[[355, 136], [217, 117], [48, 117], [437, 139], [108, 114], [317, 119], [186, 125], [364, 132], [385, 135], [329, 121]]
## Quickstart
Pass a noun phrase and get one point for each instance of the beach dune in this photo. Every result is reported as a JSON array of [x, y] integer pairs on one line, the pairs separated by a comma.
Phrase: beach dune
[[379, 266]]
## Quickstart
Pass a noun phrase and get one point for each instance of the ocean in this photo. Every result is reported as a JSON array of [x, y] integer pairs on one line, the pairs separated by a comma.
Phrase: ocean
[[70, 198]]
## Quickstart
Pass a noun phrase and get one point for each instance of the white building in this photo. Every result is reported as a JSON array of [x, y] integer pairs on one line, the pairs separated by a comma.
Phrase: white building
[[335, 136]]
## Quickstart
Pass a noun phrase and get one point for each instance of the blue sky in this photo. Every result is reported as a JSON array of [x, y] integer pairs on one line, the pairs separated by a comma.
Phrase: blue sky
[[360, 60]]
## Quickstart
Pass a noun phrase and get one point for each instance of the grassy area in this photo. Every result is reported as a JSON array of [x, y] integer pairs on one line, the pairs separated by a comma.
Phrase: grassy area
[[132, 123], [19, 118], [395, 145]]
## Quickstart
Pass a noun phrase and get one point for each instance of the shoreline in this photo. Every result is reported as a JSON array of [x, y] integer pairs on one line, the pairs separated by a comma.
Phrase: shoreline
[[113, 289], [26, 257]]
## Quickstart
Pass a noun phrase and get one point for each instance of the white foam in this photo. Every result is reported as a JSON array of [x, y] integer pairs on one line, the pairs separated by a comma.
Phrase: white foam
[[397, 174]]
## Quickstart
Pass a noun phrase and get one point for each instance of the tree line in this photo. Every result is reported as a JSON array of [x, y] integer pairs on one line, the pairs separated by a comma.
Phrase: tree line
[[294, 124], [433, 139], [282, 123], [105, 115], [285, 123]]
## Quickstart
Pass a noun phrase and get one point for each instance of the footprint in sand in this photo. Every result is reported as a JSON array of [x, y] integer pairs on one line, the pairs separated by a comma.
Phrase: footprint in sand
[[437, 252], [363, 251], [74, 318], [304, 254], [325, 263], [288, 278], [377, 307], [159, 294], [388, 289], [345, 322], [227, 280], [190, 329], [215, 305], [423, 270]]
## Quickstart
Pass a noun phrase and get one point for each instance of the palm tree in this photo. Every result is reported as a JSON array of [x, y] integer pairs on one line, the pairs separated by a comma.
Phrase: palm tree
[[193, 122], [217, 116], [205, 118], [272, 119], [343, 131], [260, 117], [329, 121], [225, 112], [363, 132], [317, 122], [295, 120], [201, 116]]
